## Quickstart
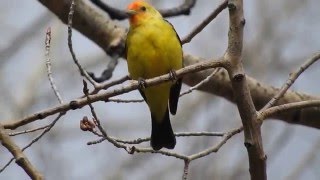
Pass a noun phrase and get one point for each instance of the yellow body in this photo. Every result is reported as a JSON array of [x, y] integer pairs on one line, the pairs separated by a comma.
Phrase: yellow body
[[153, 49]]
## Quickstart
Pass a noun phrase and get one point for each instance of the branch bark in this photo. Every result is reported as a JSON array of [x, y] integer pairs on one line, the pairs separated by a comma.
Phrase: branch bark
[[248, 113], [17, 153]]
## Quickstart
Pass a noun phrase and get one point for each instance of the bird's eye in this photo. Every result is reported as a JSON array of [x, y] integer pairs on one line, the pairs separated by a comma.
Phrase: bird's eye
[[143, 8]]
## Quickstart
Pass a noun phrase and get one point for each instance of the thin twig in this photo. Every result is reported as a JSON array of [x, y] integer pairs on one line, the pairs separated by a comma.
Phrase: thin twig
[[216, 148], [36, 139], [75, 60], [101, 129], [207, 79], [292, 78], [125, 100], [48, 64], [140, 140], [28, 131], [287, 107], [205, 22], [185, 169], [225, 137], [106, 85]]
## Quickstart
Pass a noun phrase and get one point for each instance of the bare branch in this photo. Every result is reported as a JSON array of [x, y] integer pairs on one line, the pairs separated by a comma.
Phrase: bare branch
[[141, 140], [205, 22], [106, 85], [28, 131], [292, 78], [197, 86], [18, 155], [75, 60], [288, 107], [216, 148], [248, 114], [185, 170], [48, 64], [103, 132], [78, 103], [50, 126]]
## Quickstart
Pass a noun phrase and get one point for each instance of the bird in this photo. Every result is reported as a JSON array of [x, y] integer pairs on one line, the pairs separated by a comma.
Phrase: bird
[[153, 48]]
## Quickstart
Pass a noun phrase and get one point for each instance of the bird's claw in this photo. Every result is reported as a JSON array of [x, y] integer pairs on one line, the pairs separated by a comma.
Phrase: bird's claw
[[173, 75], [142, 83]]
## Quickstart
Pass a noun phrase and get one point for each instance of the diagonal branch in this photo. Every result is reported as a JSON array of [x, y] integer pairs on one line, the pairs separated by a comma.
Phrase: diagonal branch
[[21, 159], [205, 22], [292, 78]]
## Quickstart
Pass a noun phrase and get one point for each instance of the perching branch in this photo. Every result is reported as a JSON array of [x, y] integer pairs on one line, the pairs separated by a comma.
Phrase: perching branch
[[79, 103]]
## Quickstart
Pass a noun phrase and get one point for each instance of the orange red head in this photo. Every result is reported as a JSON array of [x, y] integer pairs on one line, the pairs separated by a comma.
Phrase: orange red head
[[140, 10]]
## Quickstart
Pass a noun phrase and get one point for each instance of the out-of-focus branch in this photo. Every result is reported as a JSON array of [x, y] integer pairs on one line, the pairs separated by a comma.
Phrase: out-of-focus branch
[[118, 14], [305, 162], [110, 37], [248, 114], [17, 153], [21, 39], [92, 24]]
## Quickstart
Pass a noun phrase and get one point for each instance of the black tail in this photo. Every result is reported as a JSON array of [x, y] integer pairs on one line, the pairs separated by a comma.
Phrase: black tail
[[162, 133]]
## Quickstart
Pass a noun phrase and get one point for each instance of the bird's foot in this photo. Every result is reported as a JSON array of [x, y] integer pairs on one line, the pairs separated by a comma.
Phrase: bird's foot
[[173, 75], [142, 83]]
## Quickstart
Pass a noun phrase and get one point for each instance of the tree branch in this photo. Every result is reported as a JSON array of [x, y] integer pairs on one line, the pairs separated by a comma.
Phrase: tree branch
[[248, 114], [17, 153], [79, 103], [205, 22]]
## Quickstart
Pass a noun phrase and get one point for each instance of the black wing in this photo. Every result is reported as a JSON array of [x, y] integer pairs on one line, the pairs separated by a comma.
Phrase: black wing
[[176, 87]]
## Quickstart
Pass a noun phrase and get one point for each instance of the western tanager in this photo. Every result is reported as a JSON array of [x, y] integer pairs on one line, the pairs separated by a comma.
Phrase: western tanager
[[153, 48]]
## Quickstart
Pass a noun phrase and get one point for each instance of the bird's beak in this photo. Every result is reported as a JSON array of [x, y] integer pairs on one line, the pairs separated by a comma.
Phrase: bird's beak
[[131, 12]]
